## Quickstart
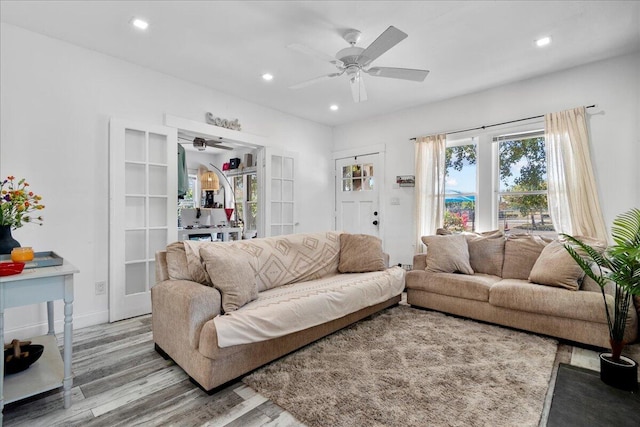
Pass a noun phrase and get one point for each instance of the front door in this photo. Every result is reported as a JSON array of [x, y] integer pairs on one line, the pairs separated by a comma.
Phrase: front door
[[357, 186]]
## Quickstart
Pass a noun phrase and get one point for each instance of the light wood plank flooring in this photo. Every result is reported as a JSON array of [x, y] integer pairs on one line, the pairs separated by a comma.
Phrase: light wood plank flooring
[[120, 380]]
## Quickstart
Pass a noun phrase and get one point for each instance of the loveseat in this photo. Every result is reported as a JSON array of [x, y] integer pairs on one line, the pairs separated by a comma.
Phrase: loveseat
[[522, 281], [220, 310]]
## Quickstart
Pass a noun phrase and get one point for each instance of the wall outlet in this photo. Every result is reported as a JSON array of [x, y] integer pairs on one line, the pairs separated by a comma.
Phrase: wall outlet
[[101, 288]]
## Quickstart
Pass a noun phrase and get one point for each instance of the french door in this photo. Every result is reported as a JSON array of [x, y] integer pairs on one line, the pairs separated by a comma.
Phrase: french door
[[278, 192], [142, 211]]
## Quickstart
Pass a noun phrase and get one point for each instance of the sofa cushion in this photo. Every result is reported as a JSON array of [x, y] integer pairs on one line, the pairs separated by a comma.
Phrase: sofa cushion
[[360, 253], [474, 287], [525, 296], [521, 251], [297, 306], [486, 252], [184, 263], [555, 267], [231, 273], [447, 254]]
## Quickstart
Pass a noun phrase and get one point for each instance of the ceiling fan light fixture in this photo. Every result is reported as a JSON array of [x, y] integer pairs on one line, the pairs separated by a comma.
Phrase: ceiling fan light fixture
[[200, 144], [334, 107], [267, 77]]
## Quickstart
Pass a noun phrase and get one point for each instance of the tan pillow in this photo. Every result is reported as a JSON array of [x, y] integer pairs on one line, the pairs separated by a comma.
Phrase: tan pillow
[[360, 253], [521, 251], [486, 252], [447, 254], [231, 273], [184, 263], [555, 267]]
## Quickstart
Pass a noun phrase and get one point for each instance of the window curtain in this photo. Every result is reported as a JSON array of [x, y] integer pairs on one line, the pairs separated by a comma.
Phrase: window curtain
[[574, 205], [429, 191]]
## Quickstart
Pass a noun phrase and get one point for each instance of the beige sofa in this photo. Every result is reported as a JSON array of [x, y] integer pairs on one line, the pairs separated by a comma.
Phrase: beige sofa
[[502, 285], [301, 288]]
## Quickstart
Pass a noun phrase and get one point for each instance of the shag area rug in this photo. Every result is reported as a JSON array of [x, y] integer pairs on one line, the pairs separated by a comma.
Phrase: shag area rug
[[411, 367]]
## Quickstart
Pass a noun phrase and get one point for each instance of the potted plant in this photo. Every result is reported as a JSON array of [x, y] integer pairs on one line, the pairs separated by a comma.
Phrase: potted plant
[[620, 264], [17, 202]]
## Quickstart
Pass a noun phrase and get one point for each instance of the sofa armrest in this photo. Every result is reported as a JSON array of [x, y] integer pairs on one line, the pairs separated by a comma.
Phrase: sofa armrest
[[419, 261], [180, 308]]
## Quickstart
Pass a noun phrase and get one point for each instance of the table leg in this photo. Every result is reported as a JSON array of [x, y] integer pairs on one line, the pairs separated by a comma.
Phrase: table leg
[[50, 318], [68, 340]]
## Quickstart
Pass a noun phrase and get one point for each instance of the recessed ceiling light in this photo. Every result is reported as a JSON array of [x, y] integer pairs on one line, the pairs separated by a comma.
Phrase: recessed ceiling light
[[268, 77], [334, 107], [544, 41], [140, 23]]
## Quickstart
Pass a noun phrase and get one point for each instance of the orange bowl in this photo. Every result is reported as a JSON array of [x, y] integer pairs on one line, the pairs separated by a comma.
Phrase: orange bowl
[[22, 254], [9, 268]]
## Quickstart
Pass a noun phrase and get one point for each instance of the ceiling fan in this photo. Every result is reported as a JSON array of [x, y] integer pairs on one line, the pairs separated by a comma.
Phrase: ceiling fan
[[201, 144], [356, 60]]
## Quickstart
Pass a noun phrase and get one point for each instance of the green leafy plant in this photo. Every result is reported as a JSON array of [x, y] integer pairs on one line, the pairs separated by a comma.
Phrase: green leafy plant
[[619, 263], [17, 202]]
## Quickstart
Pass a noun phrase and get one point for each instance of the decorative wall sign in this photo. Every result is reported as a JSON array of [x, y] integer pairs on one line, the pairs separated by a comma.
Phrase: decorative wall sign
[[224, 123], [406, 180]]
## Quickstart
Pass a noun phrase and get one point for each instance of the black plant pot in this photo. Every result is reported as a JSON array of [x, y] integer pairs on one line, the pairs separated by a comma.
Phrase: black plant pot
[[622, 375]]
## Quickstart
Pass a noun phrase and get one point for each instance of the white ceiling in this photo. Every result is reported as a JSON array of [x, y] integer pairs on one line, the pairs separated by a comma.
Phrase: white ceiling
[[467, 45]]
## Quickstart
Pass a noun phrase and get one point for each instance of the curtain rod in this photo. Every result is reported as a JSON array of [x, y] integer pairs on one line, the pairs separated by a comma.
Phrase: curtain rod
[[497, 124]]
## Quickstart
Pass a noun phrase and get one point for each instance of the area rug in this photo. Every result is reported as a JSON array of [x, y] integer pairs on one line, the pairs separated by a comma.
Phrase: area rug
[[411, 367]]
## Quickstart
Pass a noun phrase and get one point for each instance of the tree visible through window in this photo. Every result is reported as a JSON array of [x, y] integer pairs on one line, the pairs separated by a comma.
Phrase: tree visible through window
[[522, 204]]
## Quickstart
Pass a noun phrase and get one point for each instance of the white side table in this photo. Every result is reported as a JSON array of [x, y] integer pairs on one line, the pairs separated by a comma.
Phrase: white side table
[[33, 286]]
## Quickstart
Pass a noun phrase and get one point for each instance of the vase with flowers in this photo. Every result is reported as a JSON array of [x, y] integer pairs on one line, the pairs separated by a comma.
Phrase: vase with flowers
[[18, 205]]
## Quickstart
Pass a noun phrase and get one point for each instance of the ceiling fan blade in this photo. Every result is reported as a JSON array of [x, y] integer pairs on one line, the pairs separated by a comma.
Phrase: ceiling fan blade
[[358, 90], [315, 53], [316, 80], [385, 41], [398, 73], [222, 147]]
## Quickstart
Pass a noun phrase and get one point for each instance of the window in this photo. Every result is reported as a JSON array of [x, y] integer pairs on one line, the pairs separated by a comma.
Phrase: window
[[246, 195], [189, 200], [522, 184], [357, 177], [497, 180], [460, 186]]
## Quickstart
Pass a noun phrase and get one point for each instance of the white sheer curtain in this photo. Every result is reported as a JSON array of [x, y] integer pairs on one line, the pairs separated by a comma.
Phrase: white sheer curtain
[[574, 205], [429, 191]]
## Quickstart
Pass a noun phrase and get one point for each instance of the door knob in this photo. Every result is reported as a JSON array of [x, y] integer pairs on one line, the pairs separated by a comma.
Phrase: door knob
[[375, 222]]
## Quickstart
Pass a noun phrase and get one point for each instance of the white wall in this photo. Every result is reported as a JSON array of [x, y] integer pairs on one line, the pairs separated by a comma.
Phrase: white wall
[[56, 101], [613, 85]]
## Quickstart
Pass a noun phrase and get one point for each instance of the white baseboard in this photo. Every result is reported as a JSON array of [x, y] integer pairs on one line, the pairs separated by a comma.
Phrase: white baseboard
[[36, 329]]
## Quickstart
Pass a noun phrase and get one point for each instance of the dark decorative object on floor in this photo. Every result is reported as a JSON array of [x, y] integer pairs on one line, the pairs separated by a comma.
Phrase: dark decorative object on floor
[[620, 264], [7, 242], [580, 399], [19, 355]]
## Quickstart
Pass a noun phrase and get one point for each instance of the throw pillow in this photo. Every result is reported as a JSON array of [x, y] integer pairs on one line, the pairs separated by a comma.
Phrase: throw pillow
[[447, 254], [184, 263], [486, 252], [231, 273], [555, 267], [521, 251], [360, 253]]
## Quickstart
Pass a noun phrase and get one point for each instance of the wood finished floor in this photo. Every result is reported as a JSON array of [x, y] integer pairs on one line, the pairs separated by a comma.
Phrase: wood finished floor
[[120, 380]]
